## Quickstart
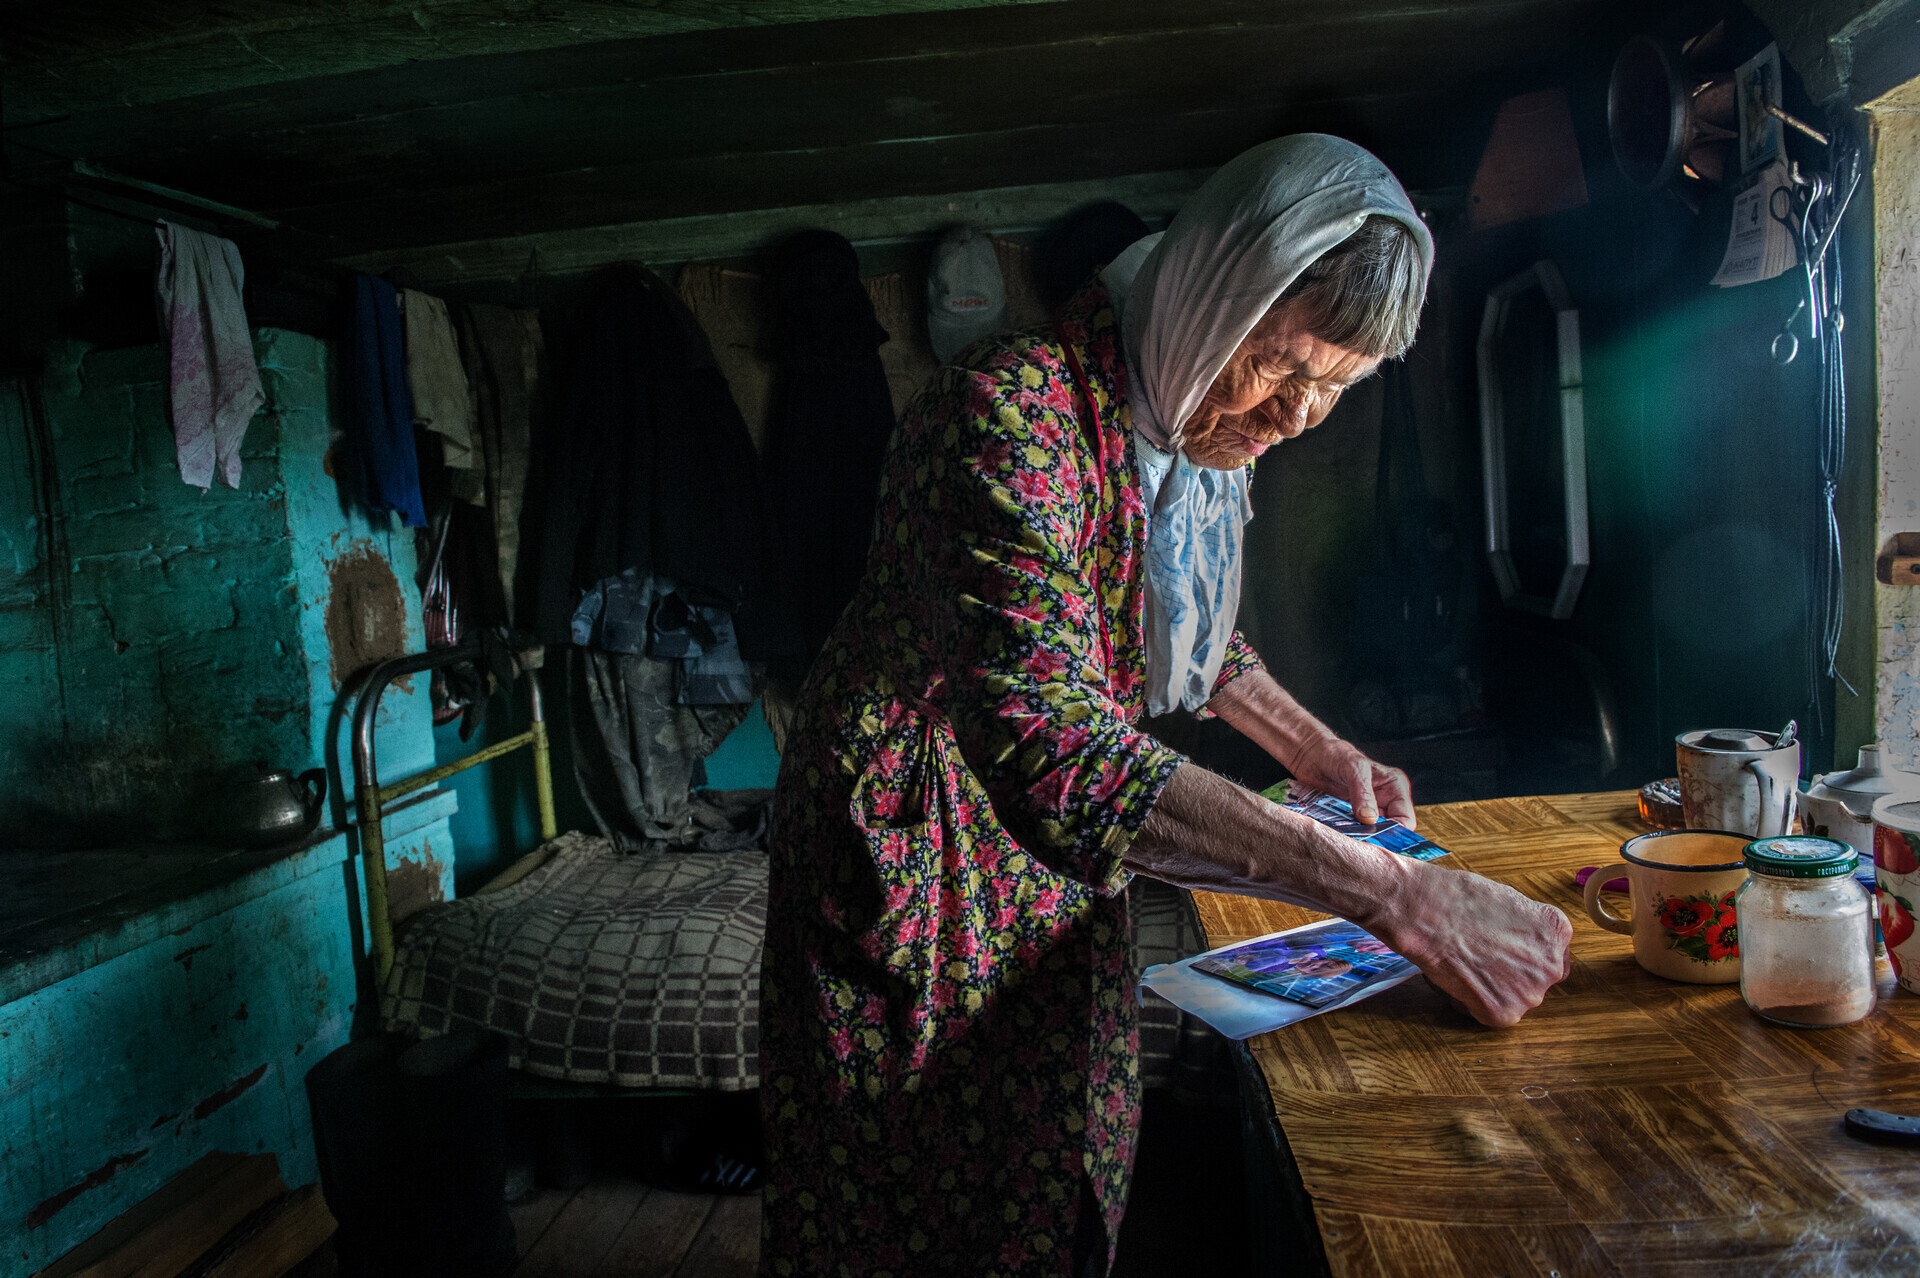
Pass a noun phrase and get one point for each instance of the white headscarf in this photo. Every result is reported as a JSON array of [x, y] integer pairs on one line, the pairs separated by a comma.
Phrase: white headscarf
[[1188, 297]]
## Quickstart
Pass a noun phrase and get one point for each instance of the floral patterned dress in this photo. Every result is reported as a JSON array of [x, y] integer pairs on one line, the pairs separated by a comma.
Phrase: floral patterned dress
[[948, 1024]]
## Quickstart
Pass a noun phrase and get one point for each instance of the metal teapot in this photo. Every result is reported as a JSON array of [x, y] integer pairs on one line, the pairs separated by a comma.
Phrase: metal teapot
[[266, 807]]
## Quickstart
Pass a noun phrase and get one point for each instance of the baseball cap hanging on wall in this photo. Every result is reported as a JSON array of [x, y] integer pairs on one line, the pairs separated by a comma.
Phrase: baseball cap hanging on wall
[[966, 296]]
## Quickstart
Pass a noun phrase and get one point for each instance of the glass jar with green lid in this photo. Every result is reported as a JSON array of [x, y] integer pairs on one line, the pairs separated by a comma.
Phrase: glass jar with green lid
[[1806, 933]]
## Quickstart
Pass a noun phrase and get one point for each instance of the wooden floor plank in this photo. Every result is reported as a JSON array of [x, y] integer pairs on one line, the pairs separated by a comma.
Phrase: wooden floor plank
[[728, 1244], [585, 1230], [532, 1216], [656, 1240]]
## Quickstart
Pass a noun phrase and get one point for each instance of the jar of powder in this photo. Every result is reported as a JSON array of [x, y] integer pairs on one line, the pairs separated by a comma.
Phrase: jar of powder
[[1806, 933]]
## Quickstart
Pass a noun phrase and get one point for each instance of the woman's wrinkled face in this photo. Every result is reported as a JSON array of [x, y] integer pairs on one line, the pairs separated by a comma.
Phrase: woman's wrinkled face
[[1281, 381]]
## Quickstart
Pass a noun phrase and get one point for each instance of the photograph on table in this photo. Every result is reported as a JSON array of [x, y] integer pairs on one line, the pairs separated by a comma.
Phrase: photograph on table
[[1337, 814], [1315, 966]]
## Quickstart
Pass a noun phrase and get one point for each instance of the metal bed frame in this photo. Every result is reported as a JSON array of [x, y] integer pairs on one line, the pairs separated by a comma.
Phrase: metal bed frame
[[373, 799]]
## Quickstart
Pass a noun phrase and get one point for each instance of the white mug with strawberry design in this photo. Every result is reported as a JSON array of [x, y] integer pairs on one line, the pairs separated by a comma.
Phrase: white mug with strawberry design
[[1681, 882], [1896, 873]]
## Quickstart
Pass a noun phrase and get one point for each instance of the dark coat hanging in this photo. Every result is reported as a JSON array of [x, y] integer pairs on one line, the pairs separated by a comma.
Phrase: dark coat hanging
[[651, 464], [827, 433]]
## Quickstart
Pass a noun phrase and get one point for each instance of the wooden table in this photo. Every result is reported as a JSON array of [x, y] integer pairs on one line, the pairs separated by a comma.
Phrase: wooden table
[[1629, 1125]]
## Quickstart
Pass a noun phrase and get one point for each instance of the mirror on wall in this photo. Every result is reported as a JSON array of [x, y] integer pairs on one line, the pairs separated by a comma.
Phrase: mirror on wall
[[1533, 442]]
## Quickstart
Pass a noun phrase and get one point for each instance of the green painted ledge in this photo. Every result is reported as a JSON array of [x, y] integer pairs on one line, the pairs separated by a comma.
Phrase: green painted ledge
[[91, 927]]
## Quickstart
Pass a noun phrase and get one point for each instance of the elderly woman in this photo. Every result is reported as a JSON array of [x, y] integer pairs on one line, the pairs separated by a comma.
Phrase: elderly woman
[[949, 1055]]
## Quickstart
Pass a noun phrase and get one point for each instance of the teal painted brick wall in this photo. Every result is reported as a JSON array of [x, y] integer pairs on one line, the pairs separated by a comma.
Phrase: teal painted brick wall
[[151, 635], [116, 1080], [330, 546], [157, 645]]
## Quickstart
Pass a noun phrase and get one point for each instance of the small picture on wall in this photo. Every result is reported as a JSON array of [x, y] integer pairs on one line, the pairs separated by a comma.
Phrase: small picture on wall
[[1755, 85]]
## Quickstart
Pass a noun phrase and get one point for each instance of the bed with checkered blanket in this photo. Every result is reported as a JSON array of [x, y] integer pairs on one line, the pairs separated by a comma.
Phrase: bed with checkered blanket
[[642, 970]]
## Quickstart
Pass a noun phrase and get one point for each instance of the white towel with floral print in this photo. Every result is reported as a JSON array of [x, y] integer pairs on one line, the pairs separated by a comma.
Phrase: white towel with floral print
[[214, 385]]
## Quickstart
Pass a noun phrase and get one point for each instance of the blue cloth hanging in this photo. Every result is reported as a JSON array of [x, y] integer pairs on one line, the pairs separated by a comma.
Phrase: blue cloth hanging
[[379, 415]]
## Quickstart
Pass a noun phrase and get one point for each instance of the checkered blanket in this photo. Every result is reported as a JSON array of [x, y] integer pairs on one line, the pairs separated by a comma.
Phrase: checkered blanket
[[643, 970], [639, 970]]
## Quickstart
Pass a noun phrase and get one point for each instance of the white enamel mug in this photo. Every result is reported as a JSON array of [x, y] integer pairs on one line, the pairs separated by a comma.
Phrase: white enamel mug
[[1732, 779]]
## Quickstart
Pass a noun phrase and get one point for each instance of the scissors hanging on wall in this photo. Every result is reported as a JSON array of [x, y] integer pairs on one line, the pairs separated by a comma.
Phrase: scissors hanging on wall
[[1812, 208]]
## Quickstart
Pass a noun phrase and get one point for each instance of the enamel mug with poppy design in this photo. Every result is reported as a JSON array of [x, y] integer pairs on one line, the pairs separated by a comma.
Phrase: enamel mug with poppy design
[[1896, 874], [1681, 885]]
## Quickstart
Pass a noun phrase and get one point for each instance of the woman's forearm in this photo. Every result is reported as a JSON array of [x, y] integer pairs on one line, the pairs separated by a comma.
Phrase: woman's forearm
[[1207, 833], [1266, 714], [1258, 708], [1490, 949]]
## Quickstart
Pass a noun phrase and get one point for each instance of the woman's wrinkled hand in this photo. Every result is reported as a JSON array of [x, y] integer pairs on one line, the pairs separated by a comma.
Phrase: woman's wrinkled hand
[[1491, 950], [1339, 768]]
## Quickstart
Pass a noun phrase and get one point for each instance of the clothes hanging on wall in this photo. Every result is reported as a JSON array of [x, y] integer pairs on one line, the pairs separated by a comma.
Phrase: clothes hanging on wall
[[827, 432], [213, 382], [1077, 245], [437, 382], [637, 750], [652, 466], [481, 363], [459, 589], [501, 349], [379, 417], [640, 613]]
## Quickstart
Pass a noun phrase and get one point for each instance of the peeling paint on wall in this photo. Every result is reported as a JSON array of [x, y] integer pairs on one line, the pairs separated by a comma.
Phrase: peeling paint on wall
[[366, 613], [99, 1176], [1897, 678], [227, 1095], [1896, 213], [208, 619], [413, 885]]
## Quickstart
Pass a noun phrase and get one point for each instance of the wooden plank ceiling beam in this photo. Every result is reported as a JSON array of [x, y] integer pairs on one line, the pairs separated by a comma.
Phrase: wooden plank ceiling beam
[[890, 220], [836, 99], [735, 183], [611, 133], [76, 57]]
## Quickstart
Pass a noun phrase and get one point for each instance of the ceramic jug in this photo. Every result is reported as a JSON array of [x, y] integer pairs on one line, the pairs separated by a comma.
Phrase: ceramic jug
[[1839, 805], [1733, 779]]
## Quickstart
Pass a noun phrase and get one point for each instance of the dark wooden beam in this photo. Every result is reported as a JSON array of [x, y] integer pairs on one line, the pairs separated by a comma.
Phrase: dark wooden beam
[[617, 132], [1415, 133], [590, 138], [933, 54], [82, 55], [1100, 77], [869, 222]]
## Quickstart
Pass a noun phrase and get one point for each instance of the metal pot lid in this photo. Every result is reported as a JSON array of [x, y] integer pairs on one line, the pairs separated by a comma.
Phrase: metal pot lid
[[1729, 739], [1857, 789]]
